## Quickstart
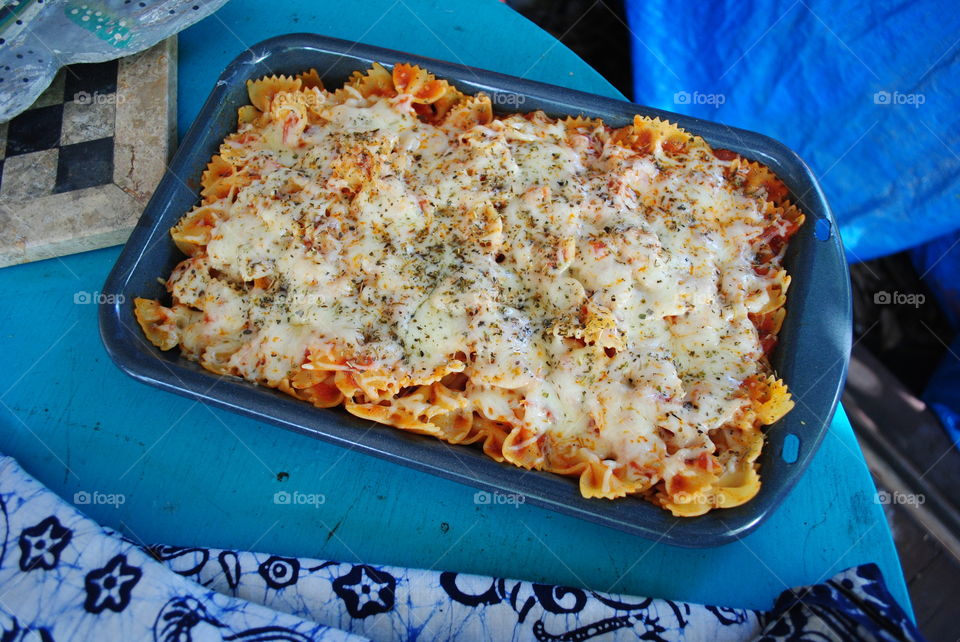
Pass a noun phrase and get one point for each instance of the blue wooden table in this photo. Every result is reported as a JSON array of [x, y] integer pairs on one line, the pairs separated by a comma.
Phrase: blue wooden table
[[193, 475]]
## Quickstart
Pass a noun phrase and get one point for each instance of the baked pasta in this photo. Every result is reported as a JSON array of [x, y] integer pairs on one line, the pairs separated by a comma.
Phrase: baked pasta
[[573, 298]]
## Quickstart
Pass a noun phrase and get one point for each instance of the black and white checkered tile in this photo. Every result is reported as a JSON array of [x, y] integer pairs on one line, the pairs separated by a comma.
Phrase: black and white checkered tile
[[64, 142]]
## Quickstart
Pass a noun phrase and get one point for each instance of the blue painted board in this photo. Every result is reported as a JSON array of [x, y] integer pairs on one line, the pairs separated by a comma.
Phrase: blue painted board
[[194, 475]]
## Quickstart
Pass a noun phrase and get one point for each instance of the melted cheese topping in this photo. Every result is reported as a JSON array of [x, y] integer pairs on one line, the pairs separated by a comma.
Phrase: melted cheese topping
[[608, 291]]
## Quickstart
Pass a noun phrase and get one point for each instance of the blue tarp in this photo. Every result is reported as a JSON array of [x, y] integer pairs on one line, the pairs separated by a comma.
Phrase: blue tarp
[[866, 93], [938, 263]]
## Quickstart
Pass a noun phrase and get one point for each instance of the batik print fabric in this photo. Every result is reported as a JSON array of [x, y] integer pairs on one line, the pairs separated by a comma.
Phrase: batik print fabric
[[63, 577]]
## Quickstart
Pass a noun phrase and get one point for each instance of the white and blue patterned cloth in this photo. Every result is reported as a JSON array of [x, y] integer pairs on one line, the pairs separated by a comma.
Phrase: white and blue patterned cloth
[[64, 577]]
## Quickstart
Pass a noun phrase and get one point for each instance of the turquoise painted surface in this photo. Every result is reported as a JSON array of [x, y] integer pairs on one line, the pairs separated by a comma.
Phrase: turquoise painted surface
[[195, 475]]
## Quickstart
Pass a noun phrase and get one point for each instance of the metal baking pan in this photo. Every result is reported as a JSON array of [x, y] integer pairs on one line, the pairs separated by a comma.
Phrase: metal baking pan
[[812, 355]]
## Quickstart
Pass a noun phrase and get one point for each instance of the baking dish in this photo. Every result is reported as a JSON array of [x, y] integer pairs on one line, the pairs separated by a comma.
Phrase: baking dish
[[811, 357]]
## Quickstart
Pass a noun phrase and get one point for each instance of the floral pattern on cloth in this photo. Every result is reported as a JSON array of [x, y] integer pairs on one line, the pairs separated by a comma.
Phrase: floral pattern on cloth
[[62, 576]]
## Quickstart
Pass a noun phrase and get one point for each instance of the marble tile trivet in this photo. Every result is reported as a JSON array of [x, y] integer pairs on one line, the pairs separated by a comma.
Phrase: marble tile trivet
[[77, 168]]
